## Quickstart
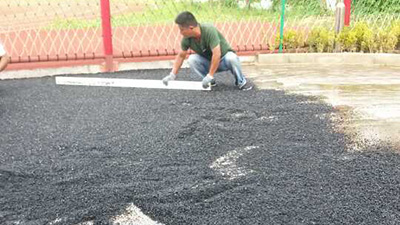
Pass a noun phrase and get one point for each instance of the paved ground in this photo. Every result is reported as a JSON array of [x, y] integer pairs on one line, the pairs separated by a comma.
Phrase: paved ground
[[71, 155], [368, 95]]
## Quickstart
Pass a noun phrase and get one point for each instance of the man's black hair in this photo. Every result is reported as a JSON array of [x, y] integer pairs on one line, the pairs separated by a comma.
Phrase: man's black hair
[[186, 19]]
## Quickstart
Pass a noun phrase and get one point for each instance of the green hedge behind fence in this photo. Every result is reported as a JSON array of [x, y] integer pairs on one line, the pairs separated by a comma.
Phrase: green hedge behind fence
[[376, 6]]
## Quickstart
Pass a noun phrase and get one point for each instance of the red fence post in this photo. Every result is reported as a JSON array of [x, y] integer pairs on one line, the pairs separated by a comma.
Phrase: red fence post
[[107, 35], [347, 4]]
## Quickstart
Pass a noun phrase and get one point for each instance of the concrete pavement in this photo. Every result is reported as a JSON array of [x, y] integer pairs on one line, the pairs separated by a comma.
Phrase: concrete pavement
[[368, 96]]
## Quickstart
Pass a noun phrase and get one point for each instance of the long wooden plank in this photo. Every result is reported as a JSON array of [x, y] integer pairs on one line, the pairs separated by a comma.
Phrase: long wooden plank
[[136, 83]]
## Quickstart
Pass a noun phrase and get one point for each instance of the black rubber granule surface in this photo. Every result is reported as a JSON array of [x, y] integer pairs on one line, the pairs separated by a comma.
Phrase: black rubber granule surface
[[78, 154]]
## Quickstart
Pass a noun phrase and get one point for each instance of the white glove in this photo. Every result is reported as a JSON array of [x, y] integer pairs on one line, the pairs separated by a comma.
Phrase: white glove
[[171, 76], [207, 80]]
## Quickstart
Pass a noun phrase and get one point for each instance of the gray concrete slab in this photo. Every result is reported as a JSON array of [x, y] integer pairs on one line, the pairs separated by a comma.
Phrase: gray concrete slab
[[369, 95], [330, 58]]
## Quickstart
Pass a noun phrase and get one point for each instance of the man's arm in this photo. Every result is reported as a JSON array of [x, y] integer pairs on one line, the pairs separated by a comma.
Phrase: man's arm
[[216, 58], [4, 60], [179, 61], [177, 65]]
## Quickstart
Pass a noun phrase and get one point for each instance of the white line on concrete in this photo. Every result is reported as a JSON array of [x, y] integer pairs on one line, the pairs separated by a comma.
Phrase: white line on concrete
[[137, 83]]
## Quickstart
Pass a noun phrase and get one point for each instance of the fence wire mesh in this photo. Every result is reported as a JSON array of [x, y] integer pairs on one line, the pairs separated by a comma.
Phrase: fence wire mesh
[[41, 30], [301, 17], [375, 27], [375, 13], [46, 30], [310, 26], [149, 29]]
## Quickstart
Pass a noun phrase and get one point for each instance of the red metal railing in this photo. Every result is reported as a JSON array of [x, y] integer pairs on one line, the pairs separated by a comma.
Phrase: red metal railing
[[347, 4], [107, 34]]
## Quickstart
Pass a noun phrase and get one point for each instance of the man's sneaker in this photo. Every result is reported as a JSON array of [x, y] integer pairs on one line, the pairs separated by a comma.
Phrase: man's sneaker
[[246, 86], [213, 84]]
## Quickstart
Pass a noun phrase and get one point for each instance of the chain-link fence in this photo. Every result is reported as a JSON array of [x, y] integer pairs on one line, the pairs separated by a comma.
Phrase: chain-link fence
[[149, 29], [310, 26], [49, 30], [31, 30], [301, 17], [376, 13], [375, 27]]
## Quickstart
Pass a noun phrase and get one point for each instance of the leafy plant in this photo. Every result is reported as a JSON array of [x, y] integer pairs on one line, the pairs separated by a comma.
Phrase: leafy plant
[[321, 40], [395, 28], [364, 36], [292, 39], [386, 41], [347, 40], [367, 43]]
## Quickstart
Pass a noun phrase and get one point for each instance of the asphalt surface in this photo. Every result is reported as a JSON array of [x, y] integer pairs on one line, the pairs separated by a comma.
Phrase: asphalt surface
[[71, 154]]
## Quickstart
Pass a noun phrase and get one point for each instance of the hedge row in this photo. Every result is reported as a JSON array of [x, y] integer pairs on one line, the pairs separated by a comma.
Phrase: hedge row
[[359, 38]]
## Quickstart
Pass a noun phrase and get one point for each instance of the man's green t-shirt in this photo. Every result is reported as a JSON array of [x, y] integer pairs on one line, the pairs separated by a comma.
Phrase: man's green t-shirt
[[210, 38]]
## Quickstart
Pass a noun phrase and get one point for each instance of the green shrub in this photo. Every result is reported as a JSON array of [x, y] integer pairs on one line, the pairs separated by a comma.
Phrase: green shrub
[[292, 39], [359, 30], [360, 37], [364, 37], [395, 28], [386, 41], [321, 40], [347, 40], [367, 43]]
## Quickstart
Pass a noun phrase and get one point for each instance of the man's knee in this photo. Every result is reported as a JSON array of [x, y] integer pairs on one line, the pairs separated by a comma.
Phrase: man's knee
[[231, 58], [194, 60]]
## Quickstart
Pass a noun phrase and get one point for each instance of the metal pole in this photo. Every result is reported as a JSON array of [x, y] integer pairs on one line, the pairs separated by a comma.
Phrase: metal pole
[[339, 21], [340, 16], [107, 35], [282, 25]]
